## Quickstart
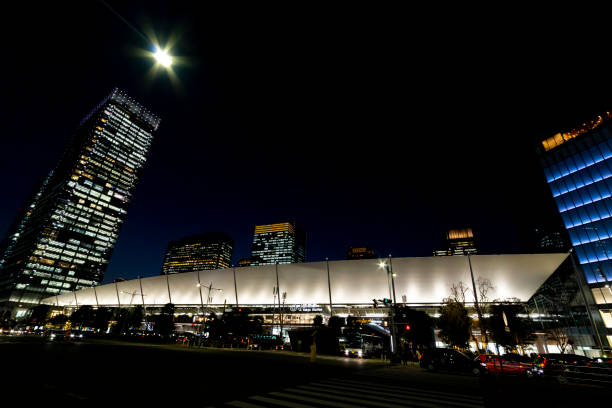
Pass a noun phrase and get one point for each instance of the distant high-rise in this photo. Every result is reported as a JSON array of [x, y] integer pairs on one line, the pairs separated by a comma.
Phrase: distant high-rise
[[243, 262], [361, 253], [64, 238], [549, 240], [457, 242], [282, 243], [212, 250]]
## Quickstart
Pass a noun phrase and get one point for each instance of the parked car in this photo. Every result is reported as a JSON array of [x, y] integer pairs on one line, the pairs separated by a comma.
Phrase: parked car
[[560, 366], [506, 364], [449, 359]]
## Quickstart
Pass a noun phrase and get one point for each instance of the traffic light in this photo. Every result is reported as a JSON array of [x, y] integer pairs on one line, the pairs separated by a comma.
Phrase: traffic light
[[387, 301], [407, 327]]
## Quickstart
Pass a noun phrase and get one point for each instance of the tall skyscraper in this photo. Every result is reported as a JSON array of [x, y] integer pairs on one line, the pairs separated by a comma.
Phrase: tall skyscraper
[[212, 250], [281, 243], [457, 242], [578, 169], [65, 236]]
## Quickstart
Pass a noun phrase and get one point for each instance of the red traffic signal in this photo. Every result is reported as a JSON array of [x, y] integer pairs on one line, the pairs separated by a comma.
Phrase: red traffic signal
[[407, 327]]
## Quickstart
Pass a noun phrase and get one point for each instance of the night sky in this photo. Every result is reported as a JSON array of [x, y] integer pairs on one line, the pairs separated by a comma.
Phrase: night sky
[[369, 126]]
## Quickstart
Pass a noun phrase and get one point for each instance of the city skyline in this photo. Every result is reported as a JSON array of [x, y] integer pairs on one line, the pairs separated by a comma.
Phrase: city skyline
[[307, 125]]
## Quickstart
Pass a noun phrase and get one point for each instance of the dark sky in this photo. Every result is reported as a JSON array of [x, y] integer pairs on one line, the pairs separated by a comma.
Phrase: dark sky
[[369, 126]]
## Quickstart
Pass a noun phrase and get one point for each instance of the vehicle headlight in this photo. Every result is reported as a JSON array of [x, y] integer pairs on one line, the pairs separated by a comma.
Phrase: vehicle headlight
[[346, 352], [359, 353]]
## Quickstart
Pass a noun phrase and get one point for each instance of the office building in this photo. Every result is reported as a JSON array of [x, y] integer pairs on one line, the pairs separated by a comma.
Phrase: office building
[[457, 242], [549, 240], [64, 239], [243, 262], [361, 253], [578, 169], [281, 243], [212, 250]]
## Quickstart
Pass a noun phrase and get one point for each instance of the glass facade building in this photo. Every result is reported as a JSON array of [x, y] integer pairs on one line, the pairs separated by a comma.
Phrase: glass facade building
[[578, 169], [281, 243], [200, 252], [64, 238]]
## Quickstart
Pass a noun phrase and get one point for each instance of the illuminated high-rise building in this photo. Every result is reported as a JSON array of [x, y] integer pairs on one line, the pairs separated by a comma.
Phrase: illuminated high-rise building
[[578, 169], [361, 253], [65, 236], [457, 242], [212, 250], [282, 243]]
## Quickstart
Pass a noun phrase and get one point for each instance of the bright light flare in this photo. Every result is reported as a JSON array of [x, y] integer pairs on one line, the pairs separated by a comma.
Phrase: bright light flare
[[163, 58]]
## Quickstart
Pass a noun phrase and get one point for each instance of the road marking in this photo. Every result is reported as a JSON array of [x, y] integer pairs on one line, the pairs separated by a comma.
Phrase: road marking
[[316, 400], [343, 393], [337, 396], [242, 404], [421, 399], [282, 403], [403, 390]]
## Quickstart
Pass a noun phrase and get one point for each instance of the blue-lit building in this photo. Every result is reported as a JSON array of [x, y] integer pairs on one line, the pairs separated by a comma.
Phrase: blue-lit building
[[578, 168]]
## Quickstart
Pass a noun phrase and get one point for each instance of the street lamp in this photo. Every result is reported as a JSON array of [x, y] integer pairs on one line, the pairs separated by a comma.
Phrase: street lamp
[[390, 278]]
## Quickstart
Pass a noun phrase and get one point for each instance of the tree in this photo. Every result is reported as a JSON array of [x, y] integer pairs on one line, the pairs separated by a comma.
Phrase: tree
[[415, 326], [59, 320], [39, 314], [164, 322], [507, 328], [454, 323], [483, 287], [83, 316], [134, 318], [101, 319], [335, 324]]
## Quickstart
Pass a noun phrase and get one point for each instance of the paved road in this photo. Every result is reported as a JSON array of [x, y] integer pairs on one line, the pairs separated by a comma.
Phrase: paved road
[[125, 373]]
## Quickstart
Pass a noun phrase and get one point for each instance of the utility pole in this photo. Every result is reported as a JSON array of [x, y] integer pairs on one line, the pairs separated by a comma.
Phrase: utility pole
[[391, 284], [331, 308]]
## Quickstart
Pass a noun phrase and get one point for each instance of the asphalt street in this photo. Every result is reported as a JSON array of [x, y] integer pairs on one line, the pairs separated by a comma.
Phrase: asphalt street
[[120, 373]]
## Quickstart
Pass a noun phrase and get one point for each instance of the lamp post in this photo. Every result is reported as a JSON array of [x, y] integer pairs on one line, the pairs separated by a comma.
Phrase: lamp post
[[391, 282]]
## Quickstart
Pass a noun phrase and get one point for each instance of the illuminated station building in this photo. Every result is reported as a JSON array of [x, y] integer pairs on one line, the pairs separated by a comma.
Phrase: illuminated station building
[[212, 250], [578, 169], [344, 288], [64, 238]]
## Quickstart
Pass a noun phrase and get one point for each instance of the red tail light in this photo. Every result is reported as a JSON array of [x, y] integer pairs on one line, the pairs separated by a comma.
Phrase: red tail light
[[543, 363]]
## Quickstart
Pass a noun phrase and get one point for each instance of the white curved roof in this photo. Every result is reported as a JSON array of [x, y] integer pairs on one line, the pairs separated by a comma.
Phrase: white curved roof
[[421, 280]]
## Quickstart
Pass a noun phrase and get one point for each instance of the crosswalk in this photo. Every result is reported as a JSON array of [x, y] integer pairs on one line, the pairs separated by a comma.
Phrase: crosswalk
[[350, 393]]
